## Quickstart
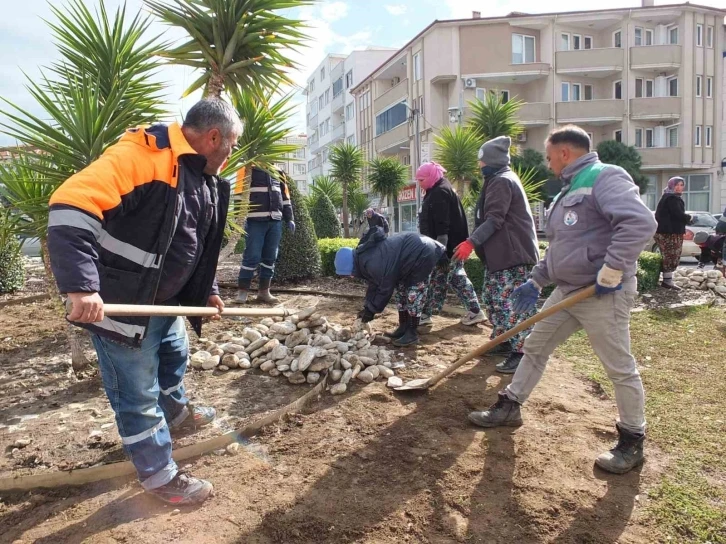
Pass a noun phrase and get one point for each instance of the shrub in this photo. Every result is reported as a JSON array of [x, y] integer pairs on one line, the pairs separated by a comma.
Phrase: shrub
[[324, 218], [12, 272], [298, 257], [328, 248], [648, 273], [239, 249]]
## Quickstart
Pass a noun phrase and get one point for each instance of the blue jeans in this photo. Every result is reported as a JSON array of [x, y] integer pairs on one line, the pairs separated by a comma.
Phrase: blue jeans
[[146, 389], [262, 242]]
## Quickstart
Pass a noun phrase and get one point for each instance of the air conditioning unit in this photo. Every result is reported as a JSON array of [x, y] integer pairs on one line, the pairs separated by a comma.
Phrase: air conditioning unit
[[395, 81], [522, 137], [470, 83]]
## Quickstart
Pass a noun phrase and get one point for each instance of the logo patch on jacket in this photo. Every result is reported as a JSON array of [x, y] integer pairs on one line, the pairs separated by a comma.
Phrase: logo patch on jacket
[[571, 218]]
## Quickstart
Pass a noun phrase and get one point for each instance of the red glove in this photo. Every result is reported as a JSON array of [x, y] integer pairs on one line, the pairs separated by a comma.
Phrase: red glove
[[463, 250]]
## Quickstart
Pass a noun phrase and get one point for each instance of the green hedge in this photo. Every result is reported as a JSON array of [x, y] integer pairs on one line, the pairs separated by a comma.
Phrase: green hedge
[[328, 247], [12, 271], [648, 273]]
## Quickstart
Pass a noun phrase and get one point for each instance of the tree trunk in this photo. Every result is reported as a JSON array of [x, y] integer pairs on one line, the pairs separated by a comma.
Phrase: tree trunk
[[346, 229], [240, 200], [79, 361], [215, 86]]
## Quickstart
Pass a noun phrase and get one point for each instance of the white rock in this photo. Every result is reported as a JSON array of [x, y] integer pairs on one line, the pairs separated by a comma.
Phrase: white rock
[[714, 274], [363, 344], [365, 376], [267, 348], [198, 358], [232, 348], [342, 347], [357, 369], [223, 337], [305, 313], [260, 327], [295, 365], [238, 340], [21, 443], [267, 322], [394, 381], [711, 285], [368, 361], [345, 364], [385, 371], [721, 288], [210, 363], [313, 377], [233, 448], [217, 351], [338, 389], [297, 350], [347, 375], [275, 372], [323, 363], [223, 368], [245, 364], [374, 371], [267, 366], [243, 355], [306, 358], [296, 378], [335, 375], [283, 328], [257, 344], [283, 368], [252, 334], [230, 360], [279, 353]]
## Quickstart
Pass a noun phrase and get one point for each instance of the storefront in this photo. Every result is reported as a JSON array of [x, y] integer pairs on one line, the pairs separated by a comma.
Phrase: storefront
[[405, 217]]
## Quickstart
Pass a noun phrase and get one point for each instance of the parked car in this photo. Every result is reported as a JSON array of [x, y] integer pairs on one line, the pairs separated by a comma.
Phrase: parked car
[[702, 221], [717, 216]]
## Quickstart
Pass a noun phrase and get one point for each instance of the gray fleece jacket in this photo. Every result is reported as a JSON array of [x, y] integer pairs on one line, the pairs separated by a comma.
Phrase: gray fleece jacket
[[598, 218]]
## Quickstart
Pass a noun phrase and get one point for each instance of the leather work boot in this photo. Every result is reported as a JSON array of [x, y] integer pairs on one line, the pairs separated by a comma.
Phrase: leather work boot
[[410, 337], [183, 489], [402, 324], [503, 413], [625, 456], [510, 364], [502, 349], [263, 293]]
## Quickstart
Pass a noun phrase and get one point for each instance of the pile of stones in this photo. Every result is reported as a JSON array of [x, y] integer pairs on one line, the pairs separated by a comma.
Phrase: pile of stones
[[700, 279], [302, 348]]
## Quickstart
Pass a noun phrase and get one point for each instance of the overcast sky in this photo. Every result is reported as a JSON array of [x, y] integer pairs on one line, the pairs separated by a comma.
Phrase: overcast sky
[[338, 26]]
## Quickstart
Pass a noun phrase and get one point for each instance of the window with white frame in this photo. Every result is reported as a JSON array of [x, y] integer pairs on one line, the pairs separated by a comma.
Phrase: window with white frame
[[322, 73], [312, 85], [697, 192], [314, 108], [351, 139], [481, 93], [299, 153], [617, 38], [523, 49], [648, 36], [564, 41], [649, 88], [709, 37], [280, 166], [649, 137], [638, 138], [587, 42], [643, 88], [327, 96], [417, 67], [618, 90], [391, 118], [673, 35], [699, 35], [639, 87], [650, 196], [349, 79], [298, 169], [576, 92], [672, 86], [638, 35], [503, 94], [618, 135], [337, 86], [588, 94], [349, 110], [565, 92], [576, 42], [699, 83], [325, 155], [672, 136], [709, 134], [321, 102], [697, 136], [709, 87]]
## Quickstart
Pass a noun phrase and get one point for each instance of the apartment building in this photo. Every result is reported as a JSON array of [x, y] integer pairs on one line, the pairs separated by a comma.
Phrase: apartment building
[[651, 77], [330, 111], [295, 164]]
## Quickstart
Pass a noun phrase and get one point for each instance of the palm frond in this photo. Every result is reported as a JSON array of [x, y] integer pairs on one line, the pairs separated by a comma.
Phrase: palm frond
[[387, 176], [492, 117], [456, 150]]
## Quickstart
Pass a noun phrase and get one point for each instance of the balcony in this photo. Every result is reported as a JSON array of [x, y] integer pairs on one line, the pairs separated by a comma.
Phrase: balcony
[[315, 172], [655, 109], [338, 133], [392, 140], [338, 102], [655, 58], [514, 73], [591, 112], [535, 114], [393, 95], [591, 62], [314, 146], [313, 123], [337, 71], [655, 158]]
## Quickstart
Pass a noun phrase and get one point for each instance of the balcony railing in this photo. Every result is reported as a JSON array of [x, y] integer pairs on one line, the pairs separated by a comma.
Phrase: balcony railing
[[656, 108], [655, 57], [661, 156], [606, 60], [392, 137], [338, 133], [590, 111], [392, 95]]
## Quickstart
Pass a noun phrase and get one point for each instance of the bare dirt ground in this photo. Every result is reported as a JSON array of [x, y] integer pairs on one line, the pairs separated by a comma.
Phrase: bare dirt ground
[[371, 466]]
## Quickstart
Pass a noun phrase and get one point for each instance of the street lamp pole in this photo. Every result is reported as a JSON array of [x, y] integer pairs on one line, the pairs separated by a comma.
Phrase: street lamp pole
[[417, 163]]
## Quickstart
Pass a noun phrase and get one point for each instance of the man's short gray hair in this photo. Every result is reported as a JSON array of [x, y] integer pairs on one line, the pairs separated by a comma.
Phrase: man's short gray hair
[[213, 113]]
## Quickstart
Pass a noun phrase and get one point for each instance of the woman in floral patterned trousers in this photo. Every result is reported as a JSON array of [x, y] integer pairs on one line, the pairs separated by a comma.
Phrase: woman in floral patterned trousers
[[453, 276]]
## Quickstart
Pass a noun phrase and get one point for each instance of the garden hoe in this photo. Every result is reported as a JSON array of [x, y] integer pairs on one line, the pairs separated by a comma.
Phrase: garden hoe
[[425, 383]]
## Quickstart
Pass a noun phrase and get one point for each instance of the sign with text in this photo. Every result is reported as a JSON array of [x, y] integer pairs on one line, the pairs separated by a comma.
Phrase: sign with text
[[425, 152], [407, 194]]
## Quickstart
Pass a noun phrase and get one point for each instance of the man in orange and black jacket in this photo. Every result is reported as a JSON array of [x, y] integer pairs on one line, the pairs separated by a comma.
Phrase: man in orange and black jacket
[[143, 224]]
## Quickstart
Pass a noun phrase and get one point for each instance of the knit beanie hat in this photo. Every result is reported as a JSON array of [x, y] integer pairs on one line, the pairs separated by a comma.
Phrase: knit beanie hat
[[344, 261], [495, 152]]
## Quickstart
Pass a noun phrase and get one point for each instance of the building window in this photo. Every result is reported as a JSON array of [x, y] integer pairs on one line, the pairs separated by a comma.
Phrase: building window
[[417, 67], [391, 118], [618, 90], [697, 192], [349, 109], [504, 95], [672, 133], [576, 42], [650, 196], [322, 73], [698, 86], [481, 93], [576, 95], [709, 37], [321, 102], [351, 139], [617, 38], [618, 135], [638, 138], [592, 138], [673, 86], [564, 42], [698, 137], [699, 35], [565, 92], [588, 92], [709, 131], [638, 87], [709, 87], [638, 36], [327, 96], [673, 35], [649, 137], [523, 48], [649, 86], [314, 108], [298, 169], [312, 85], [588, 42], [349, 79], [648, 36], [643, 88], [337, 86]]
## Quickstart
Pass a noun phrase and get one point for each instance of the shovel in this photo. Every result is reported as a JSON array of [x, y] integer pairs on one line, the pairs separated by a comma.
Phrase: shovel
[[425, 383], [134, 310]]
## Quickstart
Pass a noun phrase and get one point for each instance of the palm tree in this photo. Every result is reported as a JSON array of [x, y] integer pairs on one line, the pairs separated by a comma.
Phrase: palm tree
[[492, 117], [456, 150], [358, 203], [387, 177], [99, 88], [238, 44], [324, 185], [347, 162]]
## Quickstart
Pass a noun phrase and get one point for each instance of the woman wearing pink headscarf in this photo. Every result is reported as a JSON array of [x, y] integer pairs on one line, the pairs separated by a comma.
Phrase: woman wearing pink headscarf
[[443, 219]]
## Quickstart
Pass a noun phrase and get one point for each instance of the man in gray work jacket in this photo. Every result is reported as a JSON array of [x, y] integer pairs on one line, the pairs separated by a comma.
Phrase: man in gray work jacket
[[597, 227]]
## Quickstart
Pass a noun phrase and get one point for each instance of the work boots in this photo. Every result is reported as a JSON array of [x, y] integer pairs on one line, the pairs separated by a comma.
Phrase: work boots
[[263, 293], [626, 455], [402, 324], [410, 336], [183, 490], [503, 413], [510, 364]]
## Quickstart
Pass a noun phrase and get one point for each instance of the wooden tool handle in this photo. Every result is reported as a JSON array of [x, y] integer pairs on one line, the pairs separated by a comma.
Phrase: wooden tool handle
[[129, 310], [524, 325]]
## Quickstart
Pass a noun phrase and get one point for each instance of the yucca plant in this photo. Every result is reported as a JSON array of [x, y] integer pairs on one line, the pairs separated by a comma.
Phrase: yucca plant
[[457, 150], [347, 166], [325, 185], [358, 203], [493, 117], [387, 176], [237, 44]]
